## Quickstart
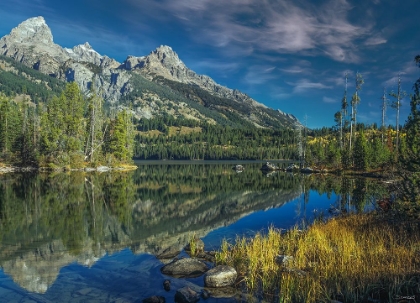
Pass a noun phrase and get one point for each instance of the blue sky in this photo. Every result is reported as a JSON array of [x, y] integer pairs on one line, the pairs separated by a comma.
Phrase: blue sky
[[291, 55]]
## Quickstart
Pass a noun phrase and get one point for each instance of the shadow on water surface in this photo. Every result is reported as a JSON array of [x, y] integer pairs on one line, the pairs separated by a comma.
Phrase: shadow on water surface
[[92, 236]]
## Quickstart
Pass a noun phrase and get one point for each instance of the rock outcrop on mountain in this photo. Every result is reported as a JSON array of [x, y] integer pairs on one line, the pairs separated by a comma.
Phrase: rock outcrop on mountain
[[164, 62], [31, 43]]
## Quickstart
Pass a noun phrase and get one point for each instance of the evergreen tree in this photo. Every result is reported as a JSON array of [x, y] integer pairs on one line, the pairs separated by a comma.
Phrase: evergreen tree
[[52, 128], [74, 105], [122, 136], [9, 126], [360, 152]]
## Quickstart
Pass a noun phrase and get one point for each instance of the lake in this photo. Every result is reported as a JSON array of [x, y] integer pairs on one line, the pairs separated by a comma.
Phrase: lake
[[93, 237]]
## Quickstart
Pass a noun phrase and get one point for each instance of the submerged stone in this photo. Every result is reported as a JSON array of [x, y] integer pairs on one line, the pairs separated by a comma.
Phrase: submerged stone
[[167, 285], [186, 295], [154, 299]]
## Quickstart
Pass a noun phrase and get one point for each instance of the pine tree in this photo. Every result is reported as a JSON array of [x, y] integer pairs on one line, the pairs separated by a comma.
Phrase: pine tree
[[360, 152], [122, 137], [9, 126], [74, 104], [52, 128]]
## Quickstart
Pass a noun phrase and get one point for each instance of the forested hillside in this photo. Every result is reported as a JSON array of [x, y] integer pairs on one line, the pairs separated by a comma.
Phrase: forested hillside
[[168, 138], [68, 130], [18, 79]]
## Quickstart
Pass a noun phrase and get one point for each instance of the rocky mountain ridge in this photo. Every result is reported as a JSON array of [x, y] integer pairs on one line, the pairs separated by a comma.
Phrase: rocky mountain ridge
[[31, 43]]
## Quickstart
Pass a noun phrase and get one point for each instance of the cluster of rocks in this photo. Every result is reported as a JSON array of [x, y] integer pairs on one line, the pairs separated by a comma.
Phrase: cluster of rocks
[[101, 169], [14, 169], [271, 167], [217, 280]]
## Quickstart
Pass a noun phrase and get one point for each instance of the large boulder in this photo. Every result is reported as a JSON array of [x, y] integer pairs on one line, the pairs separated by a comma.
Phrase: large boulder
[[185, 268], [220, 276]]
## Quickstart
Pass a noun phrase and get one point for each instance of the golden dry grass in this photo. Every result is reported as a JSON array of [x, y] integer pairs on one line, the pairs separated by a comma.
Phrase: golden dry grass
[[351, 259]]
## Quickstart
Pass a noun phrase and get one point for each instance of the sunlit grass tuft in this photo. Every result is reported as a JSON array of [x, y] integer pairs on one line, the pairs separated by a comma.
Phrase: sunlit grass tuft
[[350, 259]]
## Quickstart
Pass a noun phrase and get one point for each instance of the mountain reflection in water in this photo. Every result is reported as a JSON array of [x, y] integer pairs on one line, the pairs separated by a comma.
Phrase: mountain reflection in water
[[52, 222]]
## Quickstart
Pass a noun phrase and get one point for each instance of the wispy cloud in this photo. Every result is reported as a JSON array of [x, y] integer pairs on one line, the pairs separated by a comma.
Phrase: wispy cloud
[[375, 41], [304, 85], [259, 74], [283, 26], [216, 65], [300, 68]]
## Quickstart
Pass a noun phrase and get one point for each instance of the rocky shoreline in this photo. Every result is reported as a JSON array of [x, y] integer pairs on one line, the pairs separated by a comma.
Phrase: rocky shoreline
[[219, 280], [17, 169]]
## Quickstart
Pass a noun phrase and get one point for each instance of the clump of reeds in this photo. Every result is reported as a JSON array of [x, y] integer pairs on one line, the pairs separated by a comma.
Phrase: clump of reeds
[[351, 259]]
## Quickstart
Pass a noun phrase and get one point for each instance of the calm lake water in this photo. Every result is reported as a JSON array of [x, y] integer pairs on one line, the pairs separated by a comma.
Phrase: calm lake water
[[93, 237]]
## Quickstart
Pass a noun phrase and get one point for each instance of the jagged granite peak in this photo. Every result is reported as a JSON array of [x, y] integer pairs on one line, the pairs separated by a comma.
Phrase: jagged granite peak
[[32, 30], [165, 62], [85, 53], [31, 43]]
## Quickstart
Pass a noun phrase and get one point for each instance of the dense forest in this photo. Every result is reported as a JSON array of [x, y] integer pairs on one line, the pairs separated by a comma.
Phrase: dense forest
[[68, 130]]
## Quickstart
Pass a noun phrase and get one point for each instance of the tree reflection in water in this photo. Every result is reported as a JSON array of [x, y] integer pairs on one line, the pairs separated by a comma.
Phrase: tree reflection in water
[[51, 220]]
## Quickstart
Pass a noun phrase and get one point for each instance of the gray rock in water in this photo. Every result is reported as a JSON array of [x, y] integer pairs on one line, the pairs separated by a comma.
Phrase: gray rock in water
[[239, 168], [154, 299], [186, 295], [220, 276], [292, 167], [167, 285], [103, 168], [185, 268], [269, 167], [307, 170]]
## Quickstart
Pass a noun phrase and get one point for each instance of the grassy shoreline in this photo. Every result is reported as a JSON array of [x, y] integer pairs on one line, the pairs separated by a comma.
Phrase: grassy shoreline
[[354, 258]]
